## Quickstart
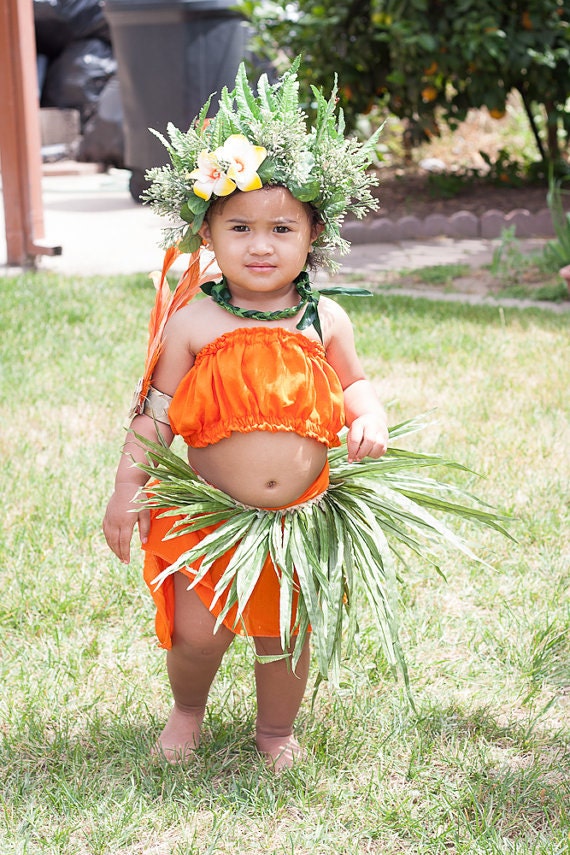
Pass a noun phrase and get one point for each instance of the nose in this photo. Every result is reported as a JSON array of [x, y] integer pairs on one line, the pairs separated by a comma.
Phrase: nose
[[260, 244]]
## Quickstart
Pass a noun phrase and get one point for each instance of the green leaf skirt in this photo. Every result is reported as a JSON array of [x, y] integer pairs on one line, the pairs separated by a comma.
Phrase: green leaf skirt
[[338, 553]]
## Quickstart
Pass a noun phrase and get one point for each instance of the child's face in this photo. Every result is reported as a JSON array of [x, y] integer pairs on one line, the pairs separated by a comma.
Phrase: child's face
[[261, 239]]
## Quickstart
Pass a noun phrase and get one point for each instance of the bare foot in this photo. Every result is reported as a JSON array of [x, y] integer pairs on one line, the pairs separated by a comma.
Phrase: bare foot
[[180, 737], [280, 752]]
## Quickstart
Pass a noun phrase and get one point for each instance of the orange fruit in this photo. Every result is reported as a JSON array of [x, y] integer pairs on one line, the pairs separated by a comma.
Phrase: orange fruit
[[429, 93]]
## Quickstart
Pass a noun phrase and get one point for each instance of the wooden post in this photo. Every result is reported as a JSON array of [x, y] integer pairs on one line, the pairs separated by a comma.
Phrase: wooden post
[[20, 139]]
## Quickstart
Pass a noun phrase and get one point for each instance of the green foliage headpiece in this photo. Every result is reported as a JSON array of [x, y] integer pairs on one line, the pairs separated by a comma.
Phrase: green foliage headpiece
[[256, 140]]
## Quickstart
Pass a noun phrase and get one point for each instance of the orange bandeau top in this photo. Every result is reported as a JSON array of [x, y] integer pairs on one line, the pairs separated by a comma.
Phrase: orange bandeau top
[[259, 378]]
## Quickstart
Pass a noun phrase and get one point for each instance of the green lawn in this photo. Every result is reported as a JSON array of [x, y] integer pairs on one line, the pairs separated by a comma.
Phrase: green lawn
[[483, 764]]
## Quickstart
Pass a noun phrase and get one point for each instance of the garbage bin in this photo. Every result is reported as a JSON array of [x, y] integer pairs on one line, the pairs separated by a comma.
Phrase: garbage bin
[[171, 55]]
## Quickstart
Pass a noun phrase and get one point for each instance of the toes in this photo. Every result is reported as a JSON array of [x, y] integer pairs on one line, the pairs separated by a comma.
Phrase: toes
[[280, 752], [173, 754]]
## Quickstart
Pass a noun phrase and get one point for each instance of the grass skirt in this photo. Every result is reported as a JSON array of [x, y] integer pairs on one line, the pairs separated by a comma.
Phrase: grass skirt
[[260, 615], [335, 556]]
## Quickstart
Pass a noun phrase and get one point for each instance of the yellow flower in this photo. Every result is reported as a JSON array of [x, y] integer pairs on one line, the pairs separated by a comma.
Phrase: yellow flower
[[244, 158], [210, 177]]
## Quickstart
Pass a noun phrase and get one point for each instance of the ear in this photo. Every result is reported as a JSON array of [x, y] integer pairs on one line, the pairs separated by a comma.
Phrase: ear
[[205, 233], [316, 231]]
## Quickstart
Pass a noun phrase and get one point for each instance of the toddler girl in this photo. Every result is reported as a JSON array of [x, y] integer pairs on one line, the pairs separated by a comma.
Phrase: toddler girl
[[257, 400]]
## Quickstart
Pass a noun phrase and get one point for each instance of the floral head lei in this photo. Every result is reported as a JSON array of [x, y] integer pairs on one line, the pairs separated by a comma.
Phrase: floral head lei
[[258, 140]]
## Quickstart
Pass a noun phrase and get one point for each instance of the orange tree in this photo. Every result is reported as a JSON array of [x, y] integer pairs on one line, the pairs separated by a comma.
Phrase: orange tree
[[419, 56]]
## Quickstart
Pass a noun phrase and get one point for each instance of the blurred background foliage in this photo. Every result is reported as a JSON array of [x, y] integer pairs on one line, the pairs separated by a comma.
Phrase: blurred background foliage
[[429, 62]]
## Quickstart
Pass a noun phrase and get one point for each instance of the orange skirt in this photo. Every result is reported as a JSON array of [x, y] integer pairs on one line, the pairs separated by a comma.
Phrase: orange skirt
[[261, 614]]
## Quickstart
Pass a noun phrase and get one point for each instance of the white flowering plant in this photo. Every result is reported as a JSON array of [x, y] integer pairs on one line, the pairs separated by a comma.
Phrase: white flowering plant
[[264, 139]]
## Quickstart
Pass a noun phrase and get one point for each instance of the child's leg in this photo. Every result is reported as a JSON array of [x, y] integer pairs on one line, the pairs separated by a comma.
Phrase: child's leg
[[192, 664], [279, 696]]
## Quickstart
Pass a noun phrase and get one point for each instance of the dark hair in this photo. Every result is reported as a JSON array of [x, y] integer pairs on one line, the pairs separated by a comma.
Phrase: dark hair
[[315, 219]]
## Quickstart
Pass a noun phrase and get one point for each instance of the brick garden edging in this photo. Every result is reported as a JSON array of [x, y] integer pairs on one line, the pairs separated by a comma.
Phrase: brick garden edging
[[461, 225]]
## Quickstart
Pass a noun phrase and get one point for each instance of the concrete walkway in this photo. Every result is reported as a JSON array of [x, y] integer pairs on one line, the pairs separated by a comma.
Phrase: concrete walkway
[[104, 232]]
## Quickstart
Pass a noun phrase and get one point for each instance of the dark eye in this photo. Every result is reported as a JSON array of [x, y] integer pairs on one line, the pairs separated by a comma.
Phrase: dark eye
[[282, 230], [241, 228]]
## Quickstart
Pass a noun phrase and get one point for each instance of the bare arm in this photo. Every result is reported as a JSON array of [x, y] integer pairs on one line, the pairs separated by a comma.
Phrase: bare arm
[[123, 513], [365, 416], [366, 419]]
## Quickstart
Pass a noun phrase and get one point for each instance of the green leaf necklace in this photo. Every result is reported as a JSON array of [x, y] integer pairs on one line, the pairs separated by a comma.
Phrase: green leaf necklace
[[308, 299]]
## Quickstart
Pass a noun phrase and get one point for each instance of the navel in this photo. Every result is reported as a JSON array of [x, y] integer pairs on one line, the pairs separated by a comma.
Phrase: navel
[[270, 484]]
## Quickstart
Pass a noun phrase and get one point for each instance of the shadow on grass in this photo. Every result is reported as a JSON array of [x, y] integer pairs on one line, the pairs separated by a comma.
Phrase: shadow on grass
[[107, 759]]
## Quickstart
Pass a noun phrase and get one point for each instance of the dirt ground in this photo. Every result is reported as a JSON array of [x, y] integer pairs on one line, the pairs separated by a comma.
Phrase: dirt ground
[[482, 282]]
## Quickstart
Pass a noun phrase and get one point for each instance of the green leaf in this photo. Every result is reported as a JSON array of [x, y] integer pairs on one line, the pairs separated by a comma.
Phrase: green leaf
[[307, 192], [247, 563], [245, 100], [190, 242], [266, 170], [278, 552], [196, 226], [265, 94], [296, 549], [215, 545], [197, 205], [333, 543], [186, 214], [202, 115]]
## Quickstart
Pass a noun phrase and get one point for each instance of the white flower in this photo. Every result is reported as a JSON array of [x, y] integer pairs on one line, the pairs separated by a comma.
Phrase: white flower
[[210, 178], [243, 158]]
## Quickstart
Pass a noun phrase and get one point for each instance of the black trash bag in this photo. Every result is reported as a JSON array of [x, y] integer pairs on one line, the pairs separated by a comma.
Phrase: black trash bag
[[60, 22], [78, 76], [103, 139]]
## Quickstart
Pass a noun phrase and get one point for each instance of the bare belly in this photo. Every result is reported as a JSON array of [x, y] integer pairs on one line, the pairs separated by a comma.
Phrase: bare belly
[[267, 470]]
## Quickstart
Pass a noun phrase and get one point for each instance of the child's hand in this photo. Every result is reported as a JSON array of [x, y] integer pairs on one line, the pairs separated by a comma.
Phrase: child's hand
[[367, 437], [120, 518]]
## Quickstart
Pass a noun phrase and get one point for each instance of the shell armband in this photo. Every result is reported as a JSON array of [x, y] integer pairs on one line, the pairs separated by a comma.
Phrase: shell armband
[[155, 405]]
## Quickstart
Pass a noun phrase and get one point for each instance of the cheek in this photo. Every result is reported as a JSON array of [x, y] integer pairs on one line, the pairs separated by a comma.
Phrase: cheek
[[303, 240]]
